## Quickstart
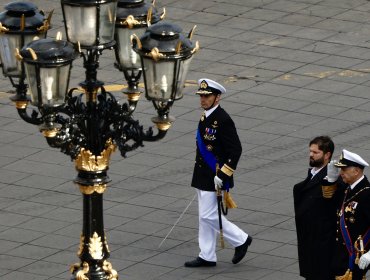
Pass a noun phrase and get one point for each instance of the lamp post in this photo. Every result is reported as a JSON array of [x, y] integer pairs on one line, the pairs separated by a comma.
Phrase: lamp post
[[90, 126]]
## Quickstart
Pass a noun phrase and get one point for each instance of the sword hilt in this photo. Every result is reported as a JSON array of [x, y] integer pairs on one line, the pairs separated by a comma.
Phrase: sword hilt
[[359, 251]]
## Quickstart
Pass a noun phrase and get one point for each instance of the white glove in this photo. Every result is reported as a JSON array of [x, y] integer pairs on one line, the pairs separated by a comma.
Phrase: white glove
[[364, 261], [333, 171], [218, 183]]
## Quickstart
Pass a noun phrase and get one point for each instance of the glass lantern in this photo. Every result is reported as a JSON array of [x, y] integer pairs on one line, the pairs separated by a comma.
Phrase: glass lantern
[[19, 24], [90, 23], [48, 64], [133, 17], [165, 55]]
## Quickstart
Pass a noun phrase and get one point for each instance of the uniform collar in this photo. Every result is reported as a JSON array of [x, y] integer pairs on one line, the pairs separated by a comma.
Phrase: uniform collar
[[356, 183], [210, 111]]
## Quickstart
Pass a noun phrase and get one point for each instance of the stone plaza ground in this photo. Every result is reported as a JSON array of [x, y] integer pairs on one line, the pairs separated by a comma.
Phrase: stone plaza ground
[[292, 69]]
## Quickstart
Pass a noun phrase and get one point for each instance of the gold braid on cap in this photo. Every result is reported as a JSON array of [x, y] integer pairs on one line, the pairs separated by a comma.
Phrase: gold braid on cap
[[203, 88]]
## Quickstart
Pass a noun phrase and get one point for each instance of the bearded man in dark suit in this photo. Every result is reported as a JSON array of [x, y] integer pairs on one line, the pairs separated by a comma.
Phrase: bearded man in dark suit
[[315, 212]]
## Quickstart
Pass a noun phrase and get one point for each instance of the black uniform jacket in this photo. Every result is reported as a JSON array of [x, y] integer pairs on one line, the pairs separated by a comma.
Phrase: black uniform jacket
[[219, 135], [315, 218], [356, 213]]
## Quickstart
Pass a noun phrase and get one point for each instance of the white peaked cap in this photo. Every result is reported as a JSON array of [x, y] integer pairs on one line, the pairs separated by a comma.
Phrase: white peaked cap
[[348, 158], [207, 86]]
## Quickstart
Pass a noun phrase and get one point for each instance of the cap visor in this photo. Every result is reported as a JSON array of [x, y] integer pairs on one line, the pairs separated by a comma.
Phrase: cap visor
[[203, 92]]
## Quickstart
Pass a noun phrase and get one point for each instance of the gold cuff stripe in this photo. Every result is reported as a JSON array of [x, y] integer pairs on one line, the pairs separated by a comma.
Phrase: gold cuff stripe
[[328, 191], [227, 170]]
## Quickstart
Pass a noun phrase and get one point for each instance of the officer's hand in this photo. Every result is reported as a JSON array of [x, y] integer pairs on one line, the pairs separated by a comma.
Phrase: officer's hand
[[333, 171], [218, 183], [364, 261]]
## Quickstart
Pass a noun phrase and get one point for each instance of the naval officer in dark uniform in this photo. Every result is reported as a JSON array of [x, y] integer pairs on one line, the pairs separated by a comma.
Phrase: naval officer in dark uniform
[[353, 225], [217, 155]]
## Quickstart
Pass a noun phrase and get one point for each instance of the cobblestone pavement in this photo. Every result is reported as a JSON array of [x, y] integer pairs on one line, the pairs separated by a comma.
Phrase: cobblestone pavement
[[293, 70]]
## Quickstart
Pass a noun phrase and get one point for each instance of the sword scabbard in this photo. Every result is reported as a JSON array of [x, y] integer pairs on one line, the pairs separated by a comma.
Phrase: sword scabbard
[[222, 242]]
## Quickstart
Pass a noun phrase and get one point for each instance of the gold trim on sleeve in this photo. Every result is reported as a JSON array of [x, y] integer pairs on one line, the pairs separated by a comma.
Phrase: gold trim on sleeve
[[227, 170], [328, 191]]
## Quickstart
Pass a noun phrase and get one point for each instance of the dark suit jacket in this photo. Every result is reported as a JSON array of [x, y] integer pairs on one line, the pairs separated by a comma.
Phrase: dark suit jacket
[[219, 135], [357, 219], [315, 218]]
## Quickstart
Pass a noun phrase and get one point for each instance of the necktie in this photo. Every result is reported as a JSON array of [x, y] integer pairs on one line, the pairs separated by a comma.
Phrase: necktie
[[309, 175]]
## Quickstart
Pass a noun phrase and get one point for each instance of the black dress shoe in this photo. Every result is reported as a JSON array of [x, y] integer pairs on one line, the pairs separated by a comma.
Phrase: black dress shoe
[[198, 262], [241, 250]]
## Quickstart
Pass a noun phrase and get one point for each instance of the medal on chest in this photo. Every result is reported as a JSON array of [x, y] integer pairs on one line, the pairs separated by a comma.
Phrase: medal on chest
[[210, 134]]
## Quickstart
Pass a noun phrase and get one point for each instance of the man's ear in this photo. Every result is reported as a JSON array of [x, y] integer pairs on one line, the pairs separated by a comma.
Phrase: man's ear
[[327, 156]]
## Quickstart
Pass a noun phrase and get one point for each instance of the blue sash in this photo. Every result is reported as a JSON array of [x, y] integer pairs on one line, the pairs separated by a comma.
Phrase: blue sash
[[208, 157], [347, 239]]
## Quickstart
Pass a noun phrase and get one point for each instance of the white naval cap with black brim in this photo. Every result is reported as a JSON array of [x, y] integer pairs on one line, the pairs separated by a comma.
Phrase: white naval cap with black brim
[[207, 86], [348, 158]]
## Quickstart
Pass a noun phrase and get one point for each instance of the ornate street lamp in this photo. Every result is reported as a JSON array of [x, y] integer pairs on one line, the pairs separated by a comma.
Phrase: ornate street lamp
[[133, 17], [90, 126], [19, 24]]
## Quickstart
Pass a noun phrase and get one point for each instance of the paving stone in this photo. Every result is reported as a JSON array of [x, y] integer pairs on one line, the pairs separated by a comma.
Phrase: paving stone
[[299, 20], [23, 275], [264, 219], [339, 61], [63, 214], [8, 246], [322, 10], [270, 262], [148, 271], [63, 257], [179, 233], [336, 25], [32, 252], [43, 225], [313, 33], [264, 14], [277, 28], [56, 241], [227, 9], [247, 272], [287, 251], [44, 268], [280, 275], [351, 76], [30, 208]]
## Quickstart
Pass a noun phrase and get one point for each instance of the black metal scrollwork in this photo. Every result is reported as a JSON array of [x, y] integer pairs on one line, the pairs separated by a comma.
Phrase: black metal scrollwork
[[107, 118]]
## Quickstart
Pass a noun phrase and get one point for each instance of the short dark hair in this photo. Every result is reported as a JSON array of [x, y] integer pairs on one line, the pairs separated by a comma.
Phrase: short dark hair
[[324, 143]]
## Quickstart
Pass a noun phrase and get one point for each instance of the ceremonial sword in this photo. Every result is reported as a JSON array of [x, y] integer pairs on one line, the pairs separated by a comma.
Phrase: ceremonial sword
[[183, 212]]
